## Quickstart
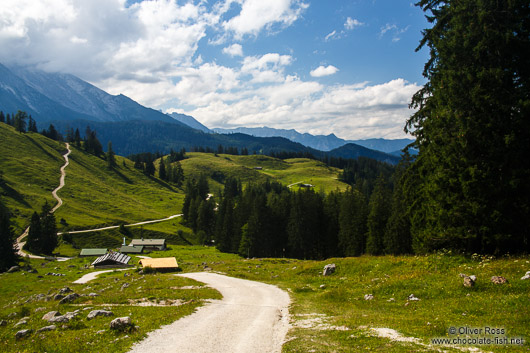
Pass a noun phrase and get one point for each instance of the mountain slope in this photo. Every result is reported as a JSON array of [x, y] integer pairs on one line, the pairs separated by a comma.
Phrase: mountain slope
[[354, 151], [190, 121], [56, 96], [93, 194], [320, 142]]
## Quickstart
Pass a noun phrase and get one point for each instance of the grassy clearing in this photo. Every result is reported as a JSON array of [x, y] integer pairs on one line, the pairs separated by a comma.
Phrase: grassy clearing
[[287, 171], [19, 298], [330, 313]]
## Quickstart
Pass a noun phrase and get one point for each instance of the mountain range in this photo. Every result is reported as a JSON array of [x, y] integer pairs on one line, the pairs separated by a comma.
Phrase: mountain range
[[321, 142], [69, 102]]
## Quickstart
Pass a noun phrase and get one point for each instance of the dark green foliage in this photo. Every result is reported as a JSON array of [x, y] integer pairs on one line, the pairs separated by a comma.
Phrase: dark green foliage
[[162, 170], [52, 133], [2, 117], [42, 235], [92, 144], [472, 129], [8, 255], [32, 125], [378, 217], [111, 157], [19, 121], [352, 217]]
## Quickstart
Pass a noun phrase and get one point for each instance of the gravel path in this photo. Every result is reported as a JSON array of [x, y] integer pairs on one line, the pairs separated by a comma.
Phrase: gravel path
[[20, 244], [251, 317], [92, 275]]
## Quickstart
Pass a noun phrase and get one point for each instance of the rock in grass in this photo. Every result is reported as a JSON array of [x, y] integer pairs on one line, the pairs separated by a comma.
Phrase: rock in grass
[[50, 315], [499, 280], [47, 328], [69, 298], [329, 269], [120, 323], [412, 298], [368, 296], [95, 313], [65, 290], [23, 333], [526, 276], [468, 282], [60, 319]]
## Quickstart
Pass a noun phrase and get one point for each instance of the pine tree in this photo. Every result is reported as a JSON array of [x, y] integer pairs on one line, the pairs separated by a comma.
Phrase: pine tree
[[472, 128], [8, 255], [32, 125], [34, 239], [19, 121], [77, 138], [49, 239], [2, 117], [111, 157], [378, 217], [162, 170]]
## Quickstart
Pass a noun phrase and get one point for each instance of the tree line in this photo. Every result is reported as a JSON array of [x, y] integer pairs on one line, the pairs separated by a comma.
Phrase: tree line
[[271, 220]]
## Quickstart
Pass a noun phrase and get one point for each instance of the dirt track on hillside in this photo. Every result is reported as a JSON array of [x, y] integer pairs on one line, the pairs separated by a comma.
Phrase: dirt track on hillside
[[251, 317]]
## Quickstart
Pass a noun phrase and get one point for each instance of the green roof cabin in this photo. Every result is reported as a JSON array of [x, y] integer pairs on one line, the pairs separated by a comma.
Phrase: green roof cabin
[[93, 252], [150, 244], [125, 249]]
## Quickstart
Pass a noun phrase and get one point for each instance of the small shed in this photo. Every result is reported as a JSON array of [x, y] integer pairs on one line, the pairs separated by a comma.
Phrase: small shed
[[125, 249], [162, 263], [112, 260], [93, 252], [150, 244]]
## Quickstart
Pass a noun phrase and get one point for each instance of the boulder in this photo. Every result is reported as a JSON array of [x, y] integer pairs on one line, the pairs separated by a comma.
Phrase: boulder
[[368, 296], [499, 280], [526, 276], [23, 321], [47, 328], [120, 323], [329, 269], [69, 298], [23, 333], [3, 323], [58, 297], [60, 319], [95, 313], [468, 282], [65, 290], [50, 315]]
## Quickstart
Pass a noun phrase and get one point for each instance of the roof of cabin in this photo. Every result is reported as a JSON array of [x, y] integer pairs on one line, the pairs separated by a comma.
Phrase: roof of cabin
[[112, 257], [93, 252], [161, 262]]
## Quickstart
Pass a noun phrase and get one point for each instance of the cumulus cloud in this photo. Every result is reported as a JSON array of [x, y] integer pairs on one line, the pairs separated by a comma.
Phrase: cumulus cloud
[[149, 51], [324, 71], [234, 50], [351, 23], [257, 15]]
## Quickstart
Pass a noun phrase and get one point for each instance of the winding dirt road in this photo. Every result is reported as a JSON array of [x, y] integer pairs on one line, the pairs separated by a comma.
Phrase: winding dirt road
[[20, 244], [251, 317]]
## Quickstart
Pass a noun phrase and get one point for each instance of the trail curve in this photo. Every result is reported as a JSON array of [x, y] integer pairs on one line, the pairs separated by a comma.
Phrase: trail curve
[[20, 243], [251, 317]]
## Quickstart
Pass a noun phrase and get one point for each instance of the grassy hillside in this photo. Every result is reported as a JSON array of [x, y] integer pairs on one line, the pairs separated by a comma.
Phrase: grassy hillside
[[289, 171], [93, 195], [328, 314], [30, 165]]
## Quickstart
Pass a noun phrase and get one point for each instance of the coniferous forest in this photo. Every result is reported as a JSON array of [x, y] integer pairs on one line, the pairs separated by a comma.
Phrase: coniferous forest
[[468, 187]]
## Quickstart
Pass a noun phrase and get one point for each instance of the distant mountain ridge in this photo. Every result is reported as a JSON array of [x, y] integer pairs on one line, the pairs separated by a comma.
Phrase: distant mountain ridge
[[321, 142], [69, 102], [56, 96]]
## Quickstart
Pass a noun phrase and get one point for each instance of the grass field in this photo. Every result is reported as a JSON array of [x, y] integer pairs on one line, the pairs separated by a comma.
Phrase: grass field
[[289, 171], [328, 314]]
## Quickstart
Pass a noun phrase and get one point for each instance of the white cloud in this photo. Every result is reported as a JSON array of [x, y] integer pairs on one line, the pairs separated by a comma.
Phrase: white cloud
[[257, 15], [352, 23], [234, 50], [394, 30], [266, 68], [330, 36], [324, 71]]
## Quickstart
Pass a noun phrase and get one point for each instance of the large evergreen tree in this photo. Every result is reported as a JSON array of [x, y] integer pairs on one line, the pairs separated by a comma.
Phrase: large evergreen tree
[[378, 215], [8, 255], [472, 128]]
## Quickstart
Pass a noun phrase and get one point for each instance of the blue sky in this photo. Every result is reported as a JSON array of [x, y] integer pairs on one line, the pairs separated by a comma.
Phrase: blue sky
[[319, 66]]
